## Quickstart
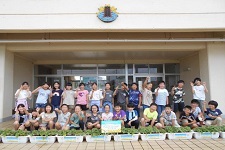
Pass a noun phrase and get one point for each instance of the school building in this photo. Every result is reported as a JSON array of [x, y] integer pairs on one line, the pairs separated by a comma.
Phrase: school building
[[111, 41]]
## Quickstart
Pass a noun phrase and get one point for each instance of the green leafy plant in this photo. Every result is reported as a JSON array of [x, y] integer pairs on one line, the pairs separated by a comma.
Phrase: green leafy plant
[[210, 129], [16, 133], [70, 133], [171, 129], [129, 131], [222, 128], [94, 132], [150, 130], [44, 133]]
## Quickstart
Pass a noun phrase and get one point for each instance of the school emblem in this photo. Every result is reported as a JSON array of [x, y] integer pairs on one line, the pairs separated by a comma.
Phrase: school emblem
[[107, 13]]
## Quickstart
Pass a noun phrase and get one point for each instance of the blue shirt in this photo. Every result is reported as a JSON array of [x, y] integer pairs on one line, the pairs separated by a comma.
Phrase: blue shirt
[[56, 97], [43, 96], [134, 96], [131, 115], [216, 112]]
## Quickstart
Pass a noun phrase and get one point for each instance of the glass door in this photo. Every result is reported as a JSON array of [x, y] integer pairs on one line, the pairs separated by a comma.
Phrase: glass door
[[153, 79]]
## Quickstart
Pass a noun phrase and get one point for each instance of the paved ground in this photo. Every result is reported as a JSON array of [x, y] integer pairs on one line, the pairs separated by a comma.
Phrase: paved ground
[[210, 144]]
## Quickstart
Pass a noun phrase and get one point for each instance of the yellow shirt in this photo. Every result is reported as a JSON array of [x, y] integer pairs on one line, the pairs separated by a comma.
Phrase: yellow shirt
[[150, 115]]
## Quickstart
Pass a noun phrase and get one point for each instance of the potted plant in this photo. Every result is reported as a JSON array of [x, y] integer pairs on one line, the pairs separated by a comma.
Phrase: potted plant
[[222, 132], [65, 136], [207, 132], [1, 135], [127, 134], [152, 133], [95, 135], [12, 136], [179, 132], [41, 136]]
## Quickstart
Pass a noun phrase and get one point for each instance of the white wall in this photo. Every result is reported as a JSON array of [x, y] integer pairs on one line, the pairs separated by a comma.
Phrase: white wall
[[23, 71], [188, 75], [80, 15]]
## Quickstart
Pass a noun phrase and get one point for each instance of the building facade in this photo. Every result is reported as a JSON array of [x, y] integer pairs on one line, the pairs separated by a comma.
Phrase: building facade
[[65, 41]]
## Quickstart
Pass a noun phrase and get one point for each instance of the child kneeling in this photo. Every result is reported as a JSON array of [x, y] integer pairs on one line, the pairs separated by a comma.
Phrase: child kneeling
[[150, 116], [187, 118]]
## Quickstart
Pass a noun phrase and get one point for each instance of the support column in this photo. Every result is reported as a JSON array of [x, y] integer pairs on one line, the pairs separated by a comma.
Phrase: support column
[[6, 86]]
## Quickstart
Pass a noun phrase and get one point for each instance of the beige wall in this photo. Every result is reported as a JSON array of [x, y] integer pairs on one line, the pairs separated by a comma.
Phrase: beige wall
[[189, 69], [23, 71]]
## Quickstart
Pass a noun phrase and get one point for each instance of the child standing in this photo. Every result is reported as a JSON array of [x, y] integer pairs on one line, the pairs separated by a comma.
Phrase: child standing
[[68, 96], [77, 119], [213, 115], [199, 89], [119, 114], [47, 117], [43, 95], [131, 117], [56, 95], [178, 100], [96, 96], [147, 98], [108, 97], [107, 115], [122, 96], [161, 97], [150, 116], [63, 118], [23, 94], [135, 97], [82, 98], [21, 116], [187, 118]]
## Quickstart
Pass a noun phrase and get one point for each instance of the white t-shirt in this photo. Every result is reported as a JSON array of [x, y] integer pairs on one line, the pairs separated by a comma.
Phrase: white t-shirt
[[199, 92], [147, 97], [44, 115], [43, 96], [169, 118], [24, 94], [69, 97], [62, 118], [107, 117], [162, 96], [196, 112], [97, 95]]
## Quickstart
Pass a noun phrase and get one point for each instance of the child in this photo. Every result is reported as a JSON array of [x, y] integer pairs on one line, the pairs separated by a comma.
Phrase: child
[[119, 114], [23, 94], [161, 97], [135, 97], [108, 97], [196, 111], [146, 94], [122, 96], [107, 115], [63, 118], [21, 116], [213, 115], [199, 90], [150, 116], [96, 96], [68, 96], [56, 95], [82, 98], [43, 96], [168, 118], [33, 121], [47, 117], [77, 119], [94, 118], [178, 100], [187, 118], [131, 117]]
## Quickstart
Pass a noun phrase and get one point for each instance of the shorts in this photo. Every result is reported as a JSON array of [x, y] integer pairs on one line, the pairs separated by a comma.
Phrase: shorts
[[40, 105], [83, 107], [169, 123], [43, 125], [149, 123], [62, 124], [71, 106], [178, 107]]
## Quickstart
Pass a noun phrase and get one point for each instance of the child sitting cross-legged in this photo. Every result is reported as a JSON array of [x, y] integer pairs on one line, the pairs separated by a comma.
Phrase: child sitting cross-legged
[[187, 118], [63, 118], [77, 119], [131, 117], [150, 116], [94, 118]]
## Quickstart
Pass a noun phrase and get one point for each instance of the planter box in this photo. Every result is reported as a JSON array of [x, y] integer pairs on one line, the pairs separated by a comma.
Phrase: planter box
[[153, 136], [69, 139], [222, 135], [206, 135], [178, 136], [100, 138], [126, 137], [42, 139], [14, 139]]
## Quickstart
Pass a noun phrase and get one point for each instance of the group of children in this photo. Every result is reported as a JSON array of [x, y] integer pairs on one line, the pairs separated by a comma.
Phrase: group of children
[[67, 109]]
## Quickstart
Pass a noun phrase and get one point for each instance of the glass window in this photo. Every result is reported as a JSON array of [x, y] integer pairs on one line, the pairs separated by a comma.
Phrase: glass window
[[155, 82], [130, 68], [38, 81], [51, 80], [171, 81], [113, 80], [141, 69], [156, 68], [80, 69], [172, 68], [47, 69], [111, 69]]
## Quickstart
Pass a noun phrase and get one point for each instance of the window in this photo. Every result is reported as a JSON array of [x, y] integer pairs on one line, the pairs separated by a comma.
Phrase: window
[[111, 69], [172, 68], [47, 69], [141, 69], [156, 68], [80, 69]]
